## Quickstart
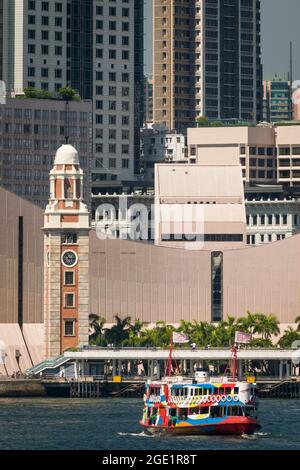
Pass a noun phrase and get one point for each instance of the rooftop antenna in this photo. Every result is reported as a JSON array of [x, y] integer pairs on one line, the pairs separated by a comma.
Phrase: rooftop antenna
[[291, 82], [67, 108]]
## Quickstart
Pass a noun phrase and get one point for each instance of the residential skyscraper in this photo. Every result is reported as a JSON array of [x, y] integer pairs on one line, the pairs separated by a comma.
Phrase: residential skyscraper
[[277, 100], [96, 46], [207, 61]]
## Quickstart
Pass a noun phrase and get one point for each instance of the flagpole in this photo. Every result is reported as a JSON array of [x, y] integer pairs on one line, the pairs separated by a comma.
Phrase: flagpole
[[169, 370]]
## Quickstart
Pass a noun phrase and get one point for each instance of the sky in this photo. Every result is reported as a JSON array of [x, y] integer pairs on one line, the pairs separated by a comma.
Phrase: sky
[[280, 25]]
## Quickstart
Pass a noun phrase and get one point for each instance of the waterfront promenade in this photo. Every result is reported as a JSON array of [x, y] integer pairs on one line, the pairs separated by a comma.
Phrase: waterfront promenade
[[94, 361]]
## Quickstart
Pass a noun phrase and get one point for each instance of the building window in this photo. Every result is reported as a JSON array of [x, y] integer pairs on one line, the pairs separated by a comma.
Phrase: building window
[[69, 238], [69, 300], [284, 220], [216, 286], [69, 327], [69, 278], [277, 219]]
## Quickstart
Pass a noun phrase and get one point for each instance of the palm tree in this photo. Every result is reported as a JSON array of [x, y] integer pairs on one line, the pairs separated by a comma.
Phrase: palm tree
[[297, 320], [118, 332], [289, 336], [229, 326], [135, 334], [266, 325], [185, 327], [96, 333], [137, 327], [201, 333], [248, 323]]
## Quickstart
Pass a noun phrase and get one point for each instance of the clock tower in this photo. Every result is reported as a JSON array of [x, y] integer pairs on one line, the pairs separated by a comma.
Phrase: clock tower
[[66, 254]]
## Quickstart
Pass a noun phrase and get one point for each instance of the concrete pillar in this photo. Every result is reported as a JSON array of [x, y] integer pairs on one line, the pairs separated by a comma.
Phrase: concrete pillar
[[184, 366], [82, 368], [280, 369], [191, 367], [120, 366], [114, 367], [76, 369], [288, 369]]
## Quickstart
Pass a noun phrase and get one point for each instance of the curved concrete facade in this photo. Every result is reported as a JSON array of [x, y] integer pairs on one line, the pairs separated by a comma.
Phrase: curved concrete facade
[[157, 283]]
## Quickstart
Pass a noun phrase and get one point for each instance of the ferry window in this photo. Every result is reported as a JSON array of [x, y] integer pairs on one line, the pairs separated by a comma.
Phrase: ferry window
[[183, 412], [236, 390], [173, 411], [235, 411], [217, 411], [221, 391], [204, 410]]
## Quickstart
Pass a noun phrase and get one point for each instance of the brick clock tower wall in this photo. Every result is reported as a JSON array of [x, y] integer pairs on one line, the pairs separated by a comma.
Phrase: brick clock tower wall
[[66, 252]]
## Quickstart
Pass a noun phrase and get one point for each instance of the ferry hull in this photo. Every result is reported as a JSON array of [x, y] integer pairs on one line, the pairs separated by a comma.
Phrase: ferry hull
[[243, 426]]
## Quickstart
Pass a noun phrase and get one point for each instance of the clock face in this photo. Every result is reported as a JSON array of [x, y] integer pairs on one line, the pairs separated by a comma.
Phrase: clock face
[[69, 258]]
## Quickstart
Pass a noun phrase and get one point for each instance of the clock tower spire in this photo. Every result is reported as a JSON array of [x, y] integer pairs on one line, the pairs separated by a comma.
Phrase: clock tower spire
[[66, 252]]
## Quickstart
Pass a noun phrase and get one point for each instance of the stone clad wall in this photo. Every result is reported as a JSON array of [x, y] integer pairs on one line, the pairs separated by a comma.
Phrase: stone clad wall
[[158, 283], [11, 208]]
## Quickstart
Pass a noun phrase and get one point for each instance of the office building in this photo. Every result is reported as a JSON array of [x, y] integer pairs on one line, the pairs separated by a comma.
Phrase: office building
[[97, 48], [30, 130], [118, 91], [207, 61]]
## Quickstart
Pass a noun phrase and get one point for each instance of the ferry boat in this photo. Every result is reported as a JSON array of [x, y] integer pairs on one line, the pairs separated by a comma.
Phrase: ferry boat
[[200, 405]]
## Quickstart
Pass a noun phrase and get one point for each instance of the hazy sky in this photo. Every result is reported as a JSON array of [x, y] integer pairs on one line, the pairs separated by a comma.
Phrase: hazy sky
[[280, 25]]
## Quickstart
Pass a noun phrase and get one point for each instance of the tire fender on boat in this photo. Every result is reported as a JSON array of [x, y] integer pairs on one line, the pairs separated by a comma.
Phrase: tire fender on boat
[[218, 398], [235, 398], [223, 399], [229, 398]]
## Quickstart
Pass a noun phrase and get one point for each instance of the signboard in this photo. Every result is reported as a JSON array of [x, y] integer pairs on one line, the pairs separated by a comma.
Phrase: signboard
[[242, 338]]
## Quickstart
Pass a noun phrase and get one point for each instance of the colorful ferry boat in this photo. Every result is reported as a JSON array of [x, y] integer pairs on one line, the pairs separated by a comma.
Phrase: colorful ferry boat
[[201, 405]]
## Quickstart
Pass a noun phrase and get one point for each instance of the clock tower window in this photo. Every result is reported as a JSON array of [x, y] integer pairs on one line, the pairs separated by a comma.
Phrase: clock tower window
[[70, 300], [69, 329], [69, 238], [69, 278]]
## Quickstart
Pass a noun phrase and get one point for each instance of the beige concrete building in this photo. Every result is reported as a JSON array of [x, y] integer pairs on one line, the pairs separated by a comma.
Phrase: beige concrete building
[[254, 146], [268, 154], [206, 58], [200, 207]]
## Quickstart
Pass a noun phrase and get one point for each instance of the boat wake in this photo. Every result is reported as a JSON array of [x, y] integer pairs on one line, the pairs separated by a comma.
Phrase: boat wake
[[250, 437], [133, 434], [256, 435]]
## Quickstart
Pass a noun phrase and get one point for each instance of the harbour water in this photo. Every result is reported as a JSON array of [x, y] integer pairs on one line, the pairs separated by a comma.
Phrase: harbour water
[[112, 424]]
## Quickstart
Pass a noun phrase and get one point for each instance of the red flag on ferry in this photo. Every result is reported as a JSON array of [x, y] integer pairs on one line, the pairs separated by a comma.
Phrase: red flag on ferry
[[242, 338], [180, 338]]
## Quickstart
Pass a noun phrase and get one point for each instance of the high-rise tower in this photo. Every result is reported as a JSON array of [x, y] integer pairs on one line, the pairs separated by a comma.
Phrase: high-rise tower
[[206, 61], [66, 251]]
